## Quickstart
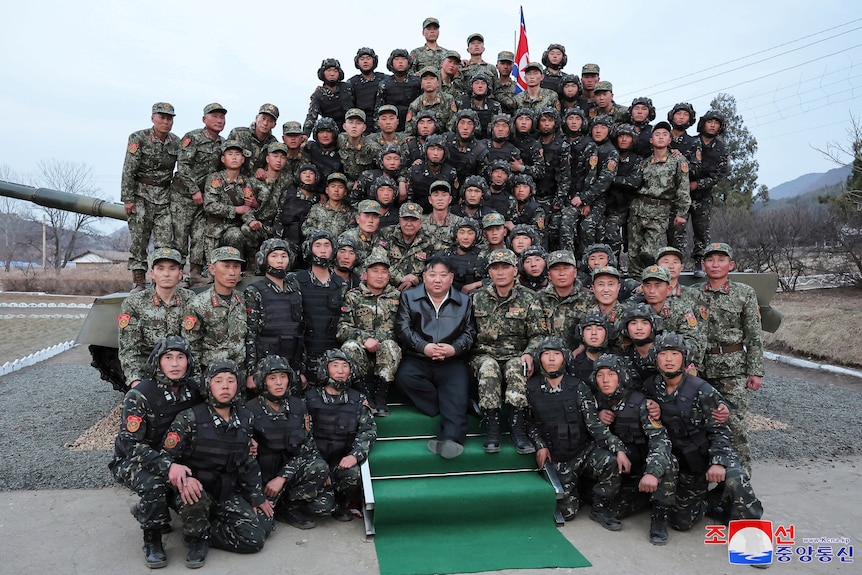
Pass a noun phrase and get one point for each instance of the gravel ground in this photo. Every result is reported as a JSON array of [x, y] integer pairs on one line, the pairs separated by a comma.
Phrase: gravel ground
[[46, 409]]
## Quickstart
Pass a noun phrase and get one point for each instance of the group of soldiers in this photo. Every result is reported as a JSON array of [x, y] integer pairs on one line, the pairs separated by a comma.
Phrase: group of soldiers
[[461, 242]]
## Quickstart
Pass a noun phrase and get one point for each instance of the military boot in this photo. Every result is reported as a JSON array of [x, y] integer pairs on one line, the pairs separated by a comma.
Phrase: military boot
[[658, 525], [603, 517], [196, 275], [380, 390], [518, 423], [139, 278], [198, 549], [492, 440], [698, 269], [154, 553]]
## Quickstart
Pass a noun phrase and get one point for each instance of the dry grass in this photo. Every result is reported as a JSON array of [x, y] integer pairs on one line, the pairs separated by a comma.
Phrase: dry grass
[[100, 436], [820, 324], [92, 281], [22, 336]]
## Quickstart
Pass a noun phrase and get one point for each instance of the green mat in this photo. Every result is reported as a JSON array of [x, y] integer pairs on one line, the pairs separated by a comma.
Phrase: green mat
[[460, 523]]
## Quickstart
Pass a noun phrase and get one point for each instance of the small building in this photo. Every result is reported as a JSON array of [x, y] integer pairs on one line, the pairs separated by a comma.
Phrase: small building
[[98, 259]]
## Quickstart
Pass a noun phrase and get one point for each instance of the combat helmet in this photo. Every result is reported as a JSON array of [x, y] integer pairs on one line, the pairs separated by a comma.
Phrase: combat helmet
[[670, 341], [216, 367], [692, 116], [552, 343], [599, 319], [309, 241], [267, 247], [365, 51], [276, 364], [712, 115], [170, 343], [323, 377], [330, 63]]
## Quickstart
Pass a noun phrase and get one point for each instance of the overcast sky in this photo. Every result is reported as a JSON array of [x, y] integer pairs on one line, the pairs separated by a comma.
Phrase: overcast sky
[[79, 77]]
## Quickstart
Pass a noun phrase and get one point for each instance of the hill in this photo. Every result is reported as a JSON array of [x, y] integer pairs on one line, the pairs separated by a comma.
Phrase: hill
[[809, 183]]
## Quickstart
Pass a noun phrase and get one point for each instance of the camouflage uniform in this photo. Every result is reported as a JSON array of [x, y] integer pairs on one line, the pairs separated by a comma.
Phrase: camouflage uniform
[[216, 329], [356, 159], [505, 94], [368, 315], [424, 56], [664, 193], [221, 198], [269, 196], [227, 519], [584, 161], [507, 328], [406, 259], [144, 320], [564, 313], [489, 70], [325, 98], [256, 321], [364, 243], [250, 142], [444, 232], [199, 156], [324, 217], [147, 172], [732, 318], [443, 105], [678, 315], [545, 99]]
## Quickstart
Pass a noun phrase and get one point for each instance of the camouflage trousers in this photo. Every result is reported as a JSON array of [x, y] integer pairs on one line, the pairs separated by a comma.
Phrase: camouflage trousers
[[345, 486], [578, 232], [384, 362], [147, 220], [489, 375], [152, 512], [647, 232], [189, 228], [615, 225], [232, 525], [240, 237], [593, 462], [631, 499], [699, 214], [735, 392], [305, 477], [691, 493]]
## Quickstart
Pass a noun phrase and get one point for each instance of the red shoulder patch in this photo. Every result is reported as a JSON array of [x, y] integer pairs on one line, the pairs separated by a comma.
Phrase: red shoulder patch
[[216, 183], [133, 423], [186, 142], [133, 147], [189, 322], [123, 320], [171, 440]]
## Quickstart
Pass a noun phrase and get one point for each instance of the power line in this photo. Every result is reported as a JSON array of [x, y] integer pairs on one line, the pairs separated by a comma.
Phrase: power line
[[814, 101], [802, 130], [803, 112], [798, 93]]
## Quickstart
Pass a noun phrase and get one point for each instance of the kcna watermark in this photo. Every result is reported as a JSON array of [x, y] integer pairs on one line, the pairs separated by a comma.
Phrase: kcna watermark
[[757, 542]]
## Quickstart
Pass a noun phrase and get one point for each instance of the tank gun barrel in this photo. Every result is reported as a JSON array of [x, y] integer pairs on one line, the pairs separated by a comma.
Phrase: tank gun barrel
[[63, 200]]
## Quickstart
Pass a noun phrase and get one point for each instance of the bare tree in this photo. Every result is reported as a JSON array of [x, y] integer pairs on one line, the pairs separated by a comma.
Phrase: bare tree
[[19, 234]]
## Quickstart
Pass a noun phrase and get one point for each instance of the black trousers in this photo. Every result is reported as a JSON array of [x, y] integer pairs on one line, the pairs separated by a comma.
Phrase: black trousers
[[438, 388]]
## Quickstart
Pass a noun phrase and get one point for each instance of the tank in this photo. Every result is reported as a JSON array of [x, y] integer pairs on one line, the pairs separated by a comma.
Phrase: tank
[[99, 331]]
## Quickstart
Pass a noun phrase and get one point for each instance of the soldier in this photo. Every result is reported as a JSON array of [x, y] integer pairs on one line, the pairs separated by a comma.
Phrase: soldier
[[356, 155], [571, 94], [478, 98], [367, 328], [148, 409], [622, 190], [149, 315], [276, 325], [589, 79], [335, 215], [427, 124], [440, 223], [509, 324], [476, 65], [593, 200], [366, 233], [474, 192], [331, 100], [323, 150], [702, 446], [344, 431], [432, 99], [532, 268], [431, 52], [606, 289], [389, 164], [499, 175], [603, 96], [670, 259], [462, 255], [296, 203], [681, 117], [216, 323], [346, 250], [556, 179], [269, 193], [151, 156], [220, 494], [583, 162], [256, 138], [594, 331], [433, 167], [297, 155], [638, 327], [586, 448], [563, 302], [408, 246], [734, 343], [495, 233], [641, 113], [451, 78], [384, 191], [601, 255], [401, 87], [435, 329], [505, 91], [535, 97], [651, 481], [499, 142], [664, 192], [524, 137], [526, 210], [291, 468], [366, 83], [554, 59], [466, 153], [199, 155]]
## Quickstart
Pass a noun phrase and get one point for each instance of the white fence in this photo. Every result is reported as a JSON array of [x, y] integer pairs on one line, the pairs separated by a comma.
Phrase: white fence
[[35, 358]]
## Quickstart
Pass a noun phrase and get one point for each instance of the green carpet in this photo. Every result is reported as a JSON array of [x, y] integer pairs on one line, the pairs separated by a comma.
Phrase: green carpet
[[460, 523]]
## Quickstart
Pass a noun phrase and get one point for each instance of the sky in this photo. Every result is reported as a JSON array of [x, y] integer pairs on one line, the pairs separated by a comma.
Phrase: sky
[[79, 77]]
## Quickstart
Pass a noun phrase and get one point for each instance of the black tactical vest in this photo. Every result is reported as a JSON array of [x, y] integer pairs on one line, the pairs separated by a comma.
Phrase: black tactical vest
[[322, 305], [559, 418], [365, 95], [627, 426], [546, 186], [335, 424], [400, 94], [294, 211], [284, 330], [690, 443], [335, 106], [219, 453], [278, 440]]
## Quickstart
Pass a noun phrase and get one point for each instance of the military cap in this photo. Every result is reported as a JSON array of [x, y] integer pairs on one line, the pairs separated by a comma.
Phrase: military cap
[[655, 272], [607, 271], [355, 113], [475, 36], [270, 109], [410, 210], [562, 257], [430, 22], [377, 256], [235, 145], [604, 86], [590, 69], [291, 128], [493, 219], [506, 56], [276, 147], [502, 256], [440, 185], [718, 248], [429, 70], [368, 207], [387, 109], [337, 177], [535, 65], [214, 107], [164, 108], [451, 54], [662, 126], [167, 254], [669, 250], [226, 254]]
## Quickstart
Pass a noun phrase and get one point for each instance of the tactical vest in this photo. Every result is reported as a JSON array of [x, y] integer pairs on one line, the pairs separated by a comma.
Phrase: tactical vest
[[323, 306], [218, 453], [546, 186], [335, 424], [284, 330], [559, 418], [400, 94], [579, 170], [278, 440], [507, 152], [327, 161], [463, 266], [627, 426], [335, 106], [690, 443], [365, 94], [293, 212]]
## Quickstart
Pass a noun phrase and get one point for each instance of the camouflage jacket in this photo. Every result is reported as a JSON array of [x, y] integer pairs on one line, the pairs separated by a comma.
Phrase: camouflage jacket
[[733, 316], [249, 141], [221, 199], [489, 70], [583, 162], [454, 87], [149, 167], [608, 158], [364, 242], [144, 320], [444, 232], [715, 166], [505, 94], [406, 259], [545, 99], [443, 105], [425, 56], [199, 157], [355, 159], [620, 114], [691, 148], [679, 315], [510, 326], [667, 179], [307, 452], [368, 315], [325, 217], [328, 103], [564, 313], [366, 433], [216, 329], [269, 194]]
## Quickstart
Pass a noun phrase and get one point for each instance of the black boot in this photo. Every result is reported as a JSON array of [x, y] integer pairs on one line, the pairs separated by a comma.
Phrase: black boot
[[518, 423], [154, 553], [342, 511], [197, 555], [658, 525], [698, 269], [139, 280], [492, 440], [380, 397], [602, 516]]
